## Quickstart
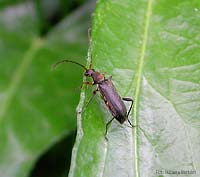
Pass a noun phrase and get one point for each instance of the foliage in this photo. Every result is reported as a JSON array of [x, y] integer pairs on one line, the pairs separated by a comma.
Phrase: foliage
[[151, 49], [37, 104]]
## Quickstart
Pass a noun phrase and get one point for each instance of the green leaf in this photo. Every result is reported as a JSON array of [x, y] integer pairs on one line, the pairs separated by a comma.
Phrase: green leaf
[[152, 51], [5, 3], [37, 105]]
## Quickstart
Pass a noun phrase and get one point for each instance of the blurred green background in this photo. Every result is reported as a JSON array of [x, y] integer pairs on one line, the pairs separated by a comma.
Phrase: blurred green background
[[37, 104]]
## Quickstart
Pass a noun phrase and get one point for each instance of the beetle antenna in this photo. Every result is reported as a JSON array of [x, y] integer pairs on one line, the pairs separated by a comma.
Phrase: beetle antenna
[[90, 49], [70, 61]]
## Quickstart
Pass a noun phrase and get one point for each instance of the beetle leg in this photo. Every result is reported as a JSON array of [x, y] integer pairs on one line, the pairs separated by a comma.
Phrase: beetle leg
[[87, 83], [107, 127], [93, 94], [129, 99], [110, 78]]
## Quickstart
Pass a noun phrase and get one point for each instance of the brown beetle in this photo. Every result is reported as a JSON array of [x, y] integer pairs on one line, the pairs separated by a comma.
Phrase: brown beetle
[[108, 92]]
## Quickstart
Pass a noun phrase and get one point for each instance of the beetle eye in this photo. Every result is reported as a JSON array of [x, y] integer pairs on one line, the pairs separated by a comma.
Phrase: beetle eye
[[88, 72]]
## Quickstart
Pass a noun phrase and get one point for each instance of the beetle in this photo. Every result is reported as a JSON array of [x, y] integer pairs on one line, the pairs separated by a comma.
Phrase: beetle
[[108, 92]]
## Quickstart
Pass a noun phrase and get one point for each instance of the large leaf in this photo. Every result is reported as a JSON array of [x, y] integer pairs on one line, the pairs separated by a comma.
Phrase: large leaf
[[152, 50], [37, 105]]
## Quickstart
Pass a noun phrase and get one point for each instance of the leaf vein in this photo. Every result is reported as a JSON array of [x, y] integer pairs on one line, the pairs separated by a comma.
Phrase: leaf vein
[[18, 75], [138, 83]]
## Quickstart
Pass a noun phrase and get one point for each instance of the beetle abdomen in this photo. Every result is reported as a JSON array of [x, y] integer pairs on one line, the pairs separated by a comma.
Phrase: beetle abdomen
[[113, 101]]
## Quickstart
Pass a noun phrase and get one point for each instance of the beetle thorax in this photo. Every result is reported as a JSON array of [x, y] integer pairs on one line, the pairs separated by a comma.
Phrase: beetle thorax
[[97, 77]]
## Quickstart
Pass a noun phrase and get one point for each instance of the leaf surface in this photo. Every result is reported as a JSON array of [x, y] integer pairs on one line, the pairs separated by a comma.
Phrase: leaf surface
[[152, 51]]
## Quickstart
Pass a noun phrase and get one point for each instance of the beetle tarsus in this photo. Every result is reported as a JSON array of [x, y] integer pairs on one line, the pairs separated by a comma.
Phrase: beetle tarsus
[[130, 123]]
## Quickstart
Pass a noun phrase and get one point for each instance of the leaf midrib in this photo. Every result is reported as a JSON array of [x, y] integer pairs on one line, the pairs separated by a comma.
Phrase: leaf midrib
[[138, 83]]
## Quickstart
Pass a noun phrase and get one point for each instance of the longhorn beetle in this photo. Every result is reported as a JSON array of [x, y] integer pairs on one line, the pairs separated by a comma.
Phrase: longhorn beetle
[[108, 92], [112, 100]]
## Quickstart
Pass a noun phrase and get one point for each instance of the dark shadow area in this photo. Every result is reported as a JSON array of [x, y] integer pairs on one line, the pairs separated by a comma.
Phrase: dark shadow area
[[51, 12], [56, 161]]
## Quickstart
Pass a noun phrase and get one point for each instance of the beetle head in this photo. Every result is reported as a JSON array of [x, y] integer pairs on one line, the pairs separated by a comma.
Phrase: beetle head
[[89, 72]]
